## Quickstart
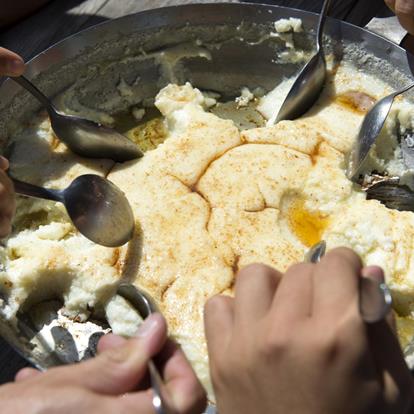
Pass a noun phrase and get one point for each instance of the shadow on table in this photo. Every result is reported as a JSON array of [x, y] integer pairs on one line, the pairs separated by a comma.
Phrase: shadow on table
[[44, 28]]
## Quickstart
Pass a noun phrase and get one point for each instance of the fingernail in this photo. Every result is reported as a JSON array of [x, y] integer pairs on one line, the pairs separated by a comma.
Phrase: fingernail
[[373, 272], [15, 67], [149, 326]]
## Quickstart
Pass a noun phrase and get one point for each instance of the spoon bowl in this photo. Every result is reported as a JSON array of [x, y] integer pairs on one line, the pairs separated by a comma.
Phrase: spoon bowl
[[309, 84], [145, 305], [369, 131], [91, 140], [392, 195], [140, 300], [97, 208], [85, 138]]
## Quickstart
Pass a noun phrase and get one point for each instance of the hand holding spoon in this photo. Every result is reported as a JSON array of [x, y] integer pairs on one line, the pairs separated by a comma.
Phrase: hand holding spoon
[[308, 85], [368, 134], [145, 305], [97, 208], [374, 297], [85, 138]]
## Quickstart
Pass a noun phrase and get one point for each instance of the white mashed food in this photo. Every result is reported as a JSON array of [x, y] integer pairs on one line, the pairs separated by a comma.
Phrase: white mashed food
[[207, 201], [245, 97], [288, 25]]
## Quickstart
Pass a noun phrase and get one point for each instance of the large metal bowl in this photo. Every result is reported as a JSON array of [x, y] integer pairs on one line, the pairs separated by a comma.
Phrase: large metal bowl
[[91, 62]]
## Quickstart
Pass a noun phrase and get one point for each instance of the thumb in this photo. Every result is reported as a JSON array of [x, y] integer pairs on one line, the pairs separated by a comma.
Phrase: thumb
[[119, 369], [386, 350], [11, 64]]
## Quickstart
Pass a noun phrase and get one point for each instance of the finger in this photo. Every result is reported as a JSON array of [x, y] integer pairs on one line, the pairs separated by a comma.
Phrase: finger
[[388, 358], [407, 21], [383, 332], [254, 292], [377, 273], [118, 370], [133, 403], [218, 322], [11, 64], [6, 182], [110, 341], [373, 272], [390, 4], [404, 7], [7, 204], [336, 281], [185, 390], [294, 297], [26, 373], [4, 163], [5, 226]]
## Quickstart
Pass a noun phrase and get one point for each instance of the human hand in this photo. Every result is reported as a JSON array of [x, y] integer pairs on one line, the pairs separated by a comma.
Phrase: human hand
[[404, 9], [110, 383], [297, 344], [11, 64], [7, 199]]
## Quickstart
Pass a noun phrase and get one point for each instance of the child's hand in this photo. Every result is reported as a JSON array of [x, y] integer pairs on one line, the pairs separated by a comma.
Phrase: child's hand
[[404, 9], [7, 200], [10, 63]]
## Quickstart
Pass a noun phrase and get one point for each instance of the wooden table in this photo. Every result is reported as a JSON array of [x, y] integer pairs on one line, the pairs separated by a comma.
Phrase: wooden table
[[61, 18]]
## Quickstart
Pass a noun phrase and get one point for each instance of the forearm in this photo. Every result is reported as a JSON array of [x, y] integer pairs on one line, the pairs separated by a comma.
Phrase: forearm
[[13, 11]]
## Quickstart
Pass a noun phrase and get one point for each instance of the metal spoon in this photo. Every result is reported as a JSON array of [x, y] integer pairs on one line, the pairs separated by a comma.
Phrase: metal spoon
[[392, 194], [316, 252], [308, 85], [85, 138], [145, 306], [368, 134], [375, 299], [97, 208]]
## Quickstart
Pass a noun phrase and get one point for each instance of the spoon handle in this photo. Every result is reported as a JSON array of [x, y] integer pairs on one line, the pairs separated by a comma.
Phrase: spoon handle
[[404, 89], [321, 23], [34, 191], [25, 83]]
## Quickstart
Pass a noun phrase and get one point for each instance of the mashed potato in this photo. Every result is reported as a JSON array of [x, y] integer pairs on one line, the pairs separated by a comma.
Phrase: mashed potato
[[208, 200]]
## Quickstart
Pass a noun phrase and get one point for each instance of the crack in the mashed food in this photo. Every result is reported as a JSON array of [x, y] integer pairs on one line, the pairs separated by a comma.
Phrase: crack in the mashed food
[[214, 159], [128, 260], [316, 153], [116, 256], [190, 189], [289, 147], [165, 290], [235, 268], [109, 170]]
